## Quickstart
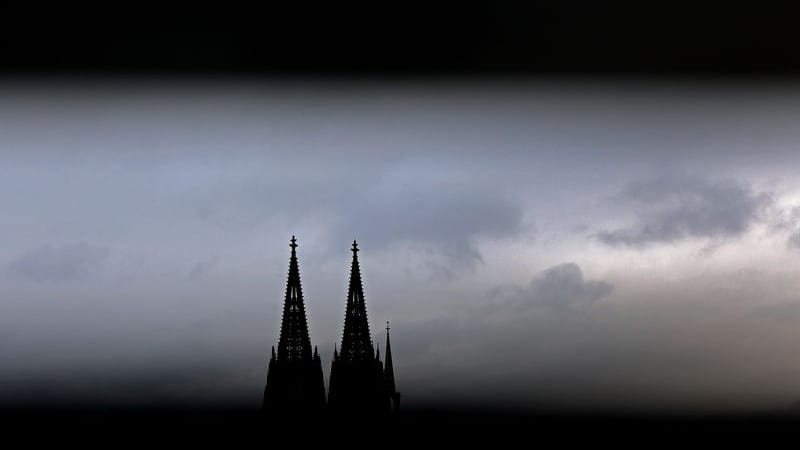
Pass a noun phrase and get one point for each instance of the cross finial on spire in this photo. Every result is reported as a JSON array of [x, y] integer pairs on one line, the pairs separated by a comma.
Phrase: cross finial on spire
[[387, 326], [355, 246], [294, 243]]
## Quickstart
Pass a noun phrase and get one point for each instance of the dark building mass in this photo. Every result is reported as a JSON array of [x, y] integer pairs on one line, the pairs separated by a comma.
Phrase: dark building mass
[[359, 381]]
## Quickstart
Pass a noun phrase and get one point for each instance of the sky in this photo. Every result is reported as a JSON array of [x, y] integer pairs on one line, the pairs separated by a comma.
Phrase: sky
[[565, 243]]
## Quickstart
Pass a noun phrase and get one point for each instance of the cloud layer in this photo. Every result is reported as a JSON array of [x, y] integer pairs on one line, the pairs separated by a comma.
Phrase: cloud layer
[[669, 208], [145, 231], [56, 263]]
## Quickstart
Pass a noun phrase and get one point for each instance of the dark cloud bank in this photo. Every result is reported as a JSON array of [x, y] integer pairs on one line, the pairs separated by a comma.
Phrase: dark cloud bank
[[673, 208]]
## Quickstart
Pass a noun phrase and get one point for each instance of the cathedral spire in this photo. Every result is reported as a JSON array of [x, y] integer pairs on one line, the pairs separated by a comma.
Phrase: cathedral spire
[[356, 380], [388, 367], [294, 342], [388, 375], [294, 377], [356, 340]]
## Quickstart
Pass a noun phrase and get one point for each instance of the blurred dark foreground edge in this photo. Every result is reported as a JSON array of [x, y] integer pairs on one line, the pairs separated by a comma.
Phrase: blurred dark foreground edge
[[406, 428]]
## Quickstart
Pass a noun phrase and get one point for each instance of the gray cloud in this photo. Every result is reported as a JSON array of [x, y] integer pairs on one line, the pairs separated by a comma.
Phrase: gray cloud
[[680, 348], [560, 288], [441, 216], [518, 323], [669, 208], [556, 292], [788, 220], [563, 286], [49, 263]]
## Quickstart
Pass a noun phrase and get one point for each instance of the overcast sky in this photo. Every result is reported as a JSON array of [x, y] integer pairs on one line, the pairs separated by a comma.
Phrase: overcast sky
[[565, 244]]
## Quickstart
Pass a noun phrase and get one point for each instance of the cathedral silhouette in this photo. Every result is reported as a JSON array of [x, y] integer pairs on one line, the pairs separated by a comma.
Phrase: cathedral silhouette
[[359, 381]]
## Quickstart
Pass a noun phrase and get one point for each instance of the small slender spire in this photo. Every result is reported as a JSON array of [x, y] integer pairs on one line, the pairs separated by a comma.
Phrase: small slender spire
[[388, 367], [273, 352]]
